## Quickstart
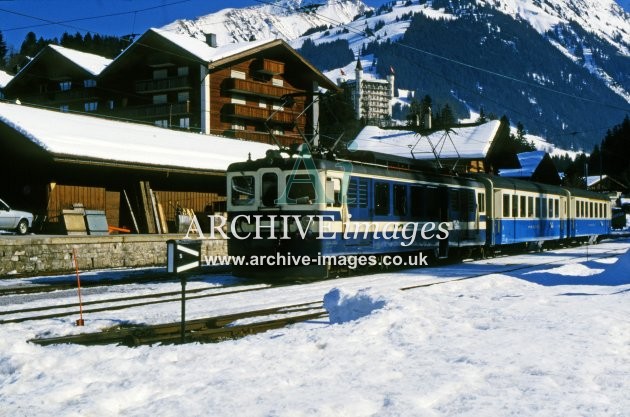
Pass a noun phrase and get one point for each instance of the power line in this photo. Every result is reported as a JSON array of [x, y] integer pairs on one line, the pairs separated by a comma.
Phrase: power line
[[79, 19]]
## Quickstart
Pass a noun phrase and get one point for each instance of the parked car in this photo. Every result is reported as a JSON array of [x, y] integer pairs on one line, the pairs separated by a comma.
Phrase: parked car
[[16, 221]]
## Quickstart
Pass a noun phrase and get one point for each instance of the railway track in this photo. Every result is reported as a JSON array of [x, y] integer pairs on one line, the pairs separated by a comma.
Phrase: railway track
[[70, 283], [218, 328], [210, 329], [133, 301]]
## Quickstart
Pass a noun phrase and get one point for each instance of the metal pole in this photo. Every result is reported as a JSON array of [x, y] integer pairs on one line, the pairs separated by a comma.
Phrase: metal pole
[[183, 324], [586, 176]]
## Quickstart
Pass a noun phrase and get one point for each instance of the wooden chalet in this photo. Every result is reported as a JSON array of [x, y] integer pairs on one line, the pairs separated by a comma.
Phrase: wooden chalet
[[171, 80], [461, 149], [60, 78]]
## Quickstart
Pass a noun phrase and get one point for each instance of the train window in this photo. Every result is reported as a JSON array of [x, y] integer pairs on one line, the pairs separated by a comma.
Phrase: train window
[[418, 202], [556, 208], [523, 206], [243, 190], [381, 198], [550, 213], [537, 206], [506, 205], [543, 207], [530, 206], [481, 202], [269, 189], [400, 200], [591, 213], [301, 189], [514, 206]]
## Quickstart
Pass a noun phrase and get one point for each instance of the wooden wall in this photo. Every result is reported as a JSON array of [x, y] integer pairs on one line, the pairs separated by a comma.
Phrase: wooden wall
[[62, 197], [223, 126]]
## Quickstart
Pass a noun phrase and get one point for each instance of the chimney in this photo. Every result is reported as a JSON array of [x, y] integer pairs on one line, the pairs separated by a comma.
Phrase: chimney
[[211, 39]]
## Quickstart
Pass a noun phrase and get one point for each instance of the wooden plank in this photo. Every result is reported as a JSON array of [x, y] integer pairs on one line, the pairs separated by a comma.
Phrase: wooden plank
[[149, 225], [161, 216], [155, 217], [133, 216]]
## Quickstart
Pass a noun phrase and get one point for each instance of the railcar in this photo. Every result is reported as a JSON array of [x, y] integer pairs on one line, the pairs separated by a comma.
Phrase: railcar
[[590, 215], [524, 212], [283, 209], [315, 215]]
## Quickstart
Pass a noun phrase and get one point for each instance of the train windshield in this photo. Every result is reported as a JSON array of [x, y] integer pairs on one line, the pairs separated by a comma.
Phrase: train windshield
[[243, 190], [301, 189]]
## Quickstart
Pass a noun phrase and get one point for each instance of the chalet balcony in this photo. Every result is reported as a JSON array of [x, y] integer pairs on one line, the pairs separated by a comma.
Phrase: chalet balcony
[[269, 67], [162, 84], [240, 111], [154, 110], [75, 95], [255, 88]]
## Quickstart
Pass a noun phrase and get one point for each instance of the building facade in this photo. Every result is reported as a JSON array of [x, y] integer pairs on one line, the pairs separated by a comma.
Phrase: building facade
[[370, 96], [243, 91]]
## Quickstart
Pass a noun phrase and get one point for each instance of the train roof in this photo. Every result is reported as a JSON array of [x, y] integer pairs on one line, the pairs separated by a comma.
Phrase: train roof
[[358, 167], [503, 182]]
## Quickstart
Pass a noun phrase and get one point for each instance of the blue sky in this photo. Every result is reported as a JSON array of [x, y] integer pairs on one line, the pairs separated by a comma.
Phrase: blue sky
[[18, 17]]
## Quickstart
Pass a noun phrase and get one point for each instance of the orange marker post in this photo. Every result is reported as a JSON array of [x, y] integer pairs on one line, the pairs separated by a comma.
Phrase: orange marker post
[[80, 321]]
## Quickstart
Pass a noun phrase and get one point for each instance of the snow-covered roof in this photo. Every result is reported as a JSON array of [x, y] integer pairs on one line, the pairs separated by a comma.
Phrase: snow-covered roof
[[594, 179], [205, 52], [467, 142], [92, 63], [529, 162], [64, 134], [4, 78]]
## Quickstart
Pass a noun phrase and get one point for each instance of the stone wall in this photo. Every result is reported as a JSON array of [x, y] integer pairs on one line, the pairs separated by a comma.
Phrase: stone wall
[[41, 255]]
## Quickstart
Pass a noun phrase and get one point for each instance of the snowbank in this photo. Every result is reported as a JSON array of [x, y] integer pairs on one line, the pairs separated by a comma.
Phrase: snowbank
[[344, 306]]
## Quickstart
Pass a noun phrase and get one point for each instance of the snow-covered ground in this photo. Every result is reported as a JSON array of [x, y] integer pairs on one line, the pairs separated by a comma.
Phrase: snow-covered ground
[[549, 340]]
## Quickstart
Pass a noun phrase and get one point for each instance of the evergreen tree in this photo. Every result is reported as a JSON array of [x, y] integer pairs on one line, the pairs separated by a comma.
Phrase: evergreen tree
[[615, 155], [3, 51], [446, 118], [482, 116], [414, 115]]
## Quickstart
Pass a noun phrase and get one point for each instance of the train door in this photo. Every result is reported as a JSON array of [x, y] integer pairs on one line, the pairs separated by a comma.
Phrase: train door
[[359, 211], [563, 217], [499, 215]]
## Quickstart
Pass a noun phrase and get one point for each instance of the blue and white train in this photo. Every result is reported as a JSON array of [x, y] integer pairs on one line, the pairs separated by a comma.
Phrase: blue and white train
[[311, 216]]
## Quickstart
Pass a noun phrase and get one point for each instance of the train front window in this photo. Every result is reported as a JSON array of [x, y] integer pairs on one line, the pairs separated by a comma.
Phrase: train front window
[[269, 193], [243, 190], [301, 189]]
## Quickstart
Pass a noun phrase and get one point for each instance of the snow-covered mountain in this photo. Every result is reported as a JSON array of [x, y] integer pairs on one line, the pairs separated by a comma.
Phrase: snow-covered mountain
[[591, 40], [286, 19]]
